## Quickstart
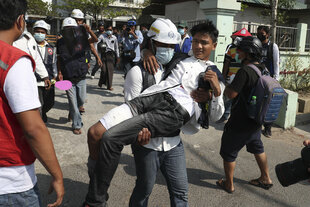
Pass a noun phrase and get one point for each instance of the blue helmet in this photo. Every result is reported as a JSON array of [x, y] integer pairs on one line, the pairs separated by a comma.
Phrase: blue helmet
[[131, 22]]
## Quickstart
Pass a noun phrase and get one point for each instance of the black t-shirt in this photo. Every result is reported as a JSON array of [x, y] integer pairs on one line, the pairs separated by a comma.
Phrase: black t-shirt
[[245, 80]]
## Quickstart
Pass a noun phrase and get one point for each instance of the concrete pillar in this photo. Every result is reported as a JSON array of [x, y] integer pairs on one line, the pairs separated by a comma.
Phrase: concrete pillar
[[301, 37], [287, 115], [221, 13], [113, 23]]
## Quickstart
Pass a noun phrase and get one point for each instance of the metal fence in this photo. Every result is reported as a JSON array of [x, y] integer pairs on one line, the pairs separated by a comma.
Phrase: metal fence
[[285, 39], [307, 47]]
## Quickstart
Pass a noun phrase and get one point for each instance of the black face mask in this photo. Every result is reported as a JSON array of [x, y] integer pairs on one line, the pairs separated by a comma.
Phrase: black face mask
[[261, 37]]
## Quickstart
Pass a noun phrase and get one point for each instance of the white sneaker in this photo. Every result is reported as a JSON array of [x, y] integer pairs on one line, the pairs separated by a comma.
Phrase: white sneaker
[[92, 77]]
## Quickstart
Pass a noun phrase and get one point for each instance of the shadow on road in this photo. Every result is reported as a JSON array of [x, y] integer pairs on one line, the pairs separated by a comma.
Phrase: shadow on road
[[75, 191]]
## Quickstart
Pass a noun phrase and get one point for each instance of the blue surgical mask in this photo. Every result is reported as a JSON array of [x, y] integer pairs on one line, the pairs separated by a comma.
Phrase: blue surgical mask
[[39, 37], [164, 55], [108, 32], [181, 31]]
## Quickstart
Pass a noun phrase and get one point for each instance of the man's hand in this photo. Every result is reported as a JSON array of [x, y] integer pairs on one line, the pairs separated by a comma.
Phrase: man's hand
[[144, 136], [306, 142], [149, 61], [99, 62], [201, 95], [211, 76], [59, 77], [58, 186], [47, 83]]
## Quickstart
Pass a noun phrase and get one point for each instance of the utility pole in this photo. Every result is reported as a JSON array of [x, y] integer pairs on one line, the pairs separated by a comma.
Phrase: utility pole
[[274, 15]]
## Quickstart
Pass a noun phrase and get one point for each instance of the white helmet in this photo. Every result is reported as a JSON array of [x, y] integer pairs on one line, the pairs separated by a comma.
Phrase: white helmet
[[77, 14], [42, 24], [164, 31], [69, 22]]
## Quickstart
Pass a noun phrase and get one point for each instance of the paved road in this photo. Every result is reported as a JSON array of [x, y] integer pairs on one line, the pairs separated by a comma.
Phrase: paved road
[[204, 164]]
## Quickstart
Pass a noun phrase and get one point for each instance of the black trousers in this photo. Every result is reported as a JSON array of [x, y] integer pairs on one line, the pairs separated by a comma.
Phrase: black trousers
[[106, 75], [47, 99], [160, 113]]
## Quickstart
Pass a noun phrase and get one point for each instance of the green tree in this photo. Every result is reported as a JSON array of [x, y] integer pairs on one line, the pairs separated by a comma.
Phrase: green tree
[[38, 7], [278, 12], [96, 8]]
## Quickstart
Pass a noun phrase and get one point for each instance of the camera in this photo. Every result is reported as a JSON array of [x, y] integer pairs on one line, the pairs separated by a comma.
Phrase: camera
[[291, 172], [128, 29]]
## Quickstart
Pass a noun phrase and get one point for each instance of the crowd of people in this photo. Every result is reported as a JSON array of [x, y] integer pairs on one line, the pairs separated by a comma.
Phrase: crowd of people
[[171, 85]]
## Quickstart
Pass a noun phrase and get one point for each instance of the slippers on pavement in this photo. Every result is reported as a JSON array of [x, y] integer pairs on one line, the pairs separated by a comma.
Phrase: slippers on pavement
[[258, 183], [221, 183]]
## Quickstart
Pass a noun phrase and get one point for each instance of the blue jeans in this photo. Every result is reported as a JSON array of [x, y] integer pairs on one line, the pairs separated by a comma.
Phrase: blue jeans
[[76, 97], [172, 165], [28, 198]]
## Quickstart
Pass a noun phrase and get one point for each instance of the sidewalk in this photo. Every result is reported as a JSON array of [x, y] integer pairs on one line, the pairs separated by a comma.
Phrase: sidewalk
[[204, 164]]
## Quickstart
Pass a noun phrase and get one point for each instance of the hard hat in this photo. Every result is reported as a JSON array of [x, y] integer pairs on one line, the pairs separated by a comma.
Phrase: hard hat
[[242, 33], [251, 45], [69, 22], [164, 31], [77, 14], [131, 22], [42, 24]]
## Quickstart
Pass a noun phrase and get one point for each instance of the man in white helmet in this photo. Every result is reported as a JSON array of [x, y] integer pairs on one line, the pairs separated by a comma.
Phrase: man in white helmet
[[161, 153], [73, 66], [78, 15], [48, 55], [28, 44], [163, 109]]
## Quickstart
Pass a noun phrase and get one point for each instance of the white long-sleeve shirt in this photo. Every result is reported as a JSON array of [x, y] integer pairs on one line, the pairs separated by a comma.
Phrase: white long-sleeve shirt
[[29, 45], [180, 83]]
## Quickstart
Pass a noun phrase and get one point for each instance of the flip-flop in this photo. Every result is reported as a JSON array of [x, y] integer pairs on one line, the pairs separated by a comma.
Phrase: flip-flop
[[222, 185], [260, 184]]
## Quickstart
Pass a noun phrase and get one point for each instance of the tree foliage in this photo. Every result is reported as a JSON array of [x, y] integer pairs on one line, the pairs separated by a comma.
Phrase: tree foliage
[[283, 10], [38, 7], [97, 8]]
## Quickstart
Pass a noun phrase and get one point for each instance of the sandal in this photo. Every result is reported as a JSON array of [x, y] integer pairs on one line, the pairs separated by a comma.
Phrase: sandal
[[221, 183], [258, 183]]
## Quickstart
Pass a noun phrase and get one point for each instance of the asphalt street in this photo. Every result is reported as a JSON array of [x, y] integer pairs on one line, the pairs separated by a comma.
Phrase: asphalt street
[[204, 164]]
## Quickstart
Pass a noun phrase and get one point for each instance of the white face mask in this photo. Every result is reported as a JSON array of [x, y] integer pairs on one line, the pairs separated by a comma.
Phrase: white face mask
[[39, 37], [164, 54]]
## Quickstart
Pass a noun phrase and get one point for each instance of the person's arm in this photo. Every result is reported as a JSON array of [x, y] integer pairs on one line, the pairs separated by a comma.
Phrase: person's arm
[[93, 38], [232, 90], [225, 68], [276, 61], [94, 51], [59, 75], [41, 144], [116, 47], [139, 36]]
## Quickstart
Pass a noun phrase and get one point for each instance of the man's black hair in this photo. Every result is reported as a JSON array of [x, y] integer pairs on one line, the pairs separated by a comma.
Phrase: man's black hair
[[206, 28], [264, 28], [10, 10]]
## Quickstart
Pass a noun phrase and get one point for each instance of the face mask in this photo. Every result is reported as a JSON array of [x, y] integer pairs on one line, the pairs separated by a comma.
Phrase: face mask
[[164, 55], [108, 32], [39, 37], [237, 58], [261, 37], [181, 31]]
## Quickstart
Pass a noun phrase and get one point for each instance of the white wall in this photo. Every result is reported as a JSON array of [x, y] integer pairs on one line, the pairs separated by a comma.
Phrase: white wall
[[184, 11]]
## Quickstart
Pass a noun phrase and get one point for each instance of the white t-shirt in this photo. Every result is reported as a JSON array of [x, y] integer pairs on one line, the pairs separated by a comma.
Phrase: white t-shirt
[[20, 88]]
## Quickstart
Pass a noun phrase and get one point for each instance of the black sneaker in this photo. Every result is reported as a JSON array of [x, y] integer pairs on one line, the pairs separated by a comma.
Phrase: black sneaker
[[266, 133]]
